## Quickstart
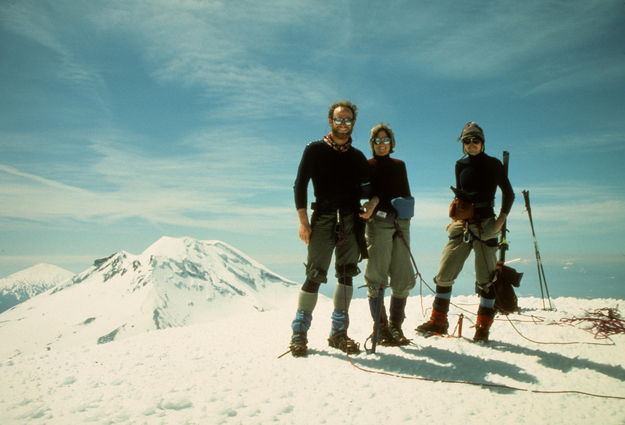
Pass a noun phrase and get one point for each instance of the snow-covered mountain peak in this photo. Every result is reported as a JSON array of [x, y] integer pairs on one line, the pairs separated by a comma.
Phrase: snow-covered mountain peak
[[174, 282], [210, 261], [175, 248], [189, 249], [38, 273], [29, 282], [196, 250]]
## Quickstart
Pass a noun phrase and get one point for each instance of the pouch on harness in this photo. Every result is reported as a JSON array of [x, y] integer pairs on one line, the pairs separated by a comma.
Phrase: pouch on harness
[[403, 208], [460, 208]]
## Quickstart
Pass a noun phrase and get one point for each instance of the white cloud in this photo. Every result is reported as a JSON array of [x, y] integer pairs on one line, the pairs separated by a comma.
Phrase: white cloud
[[557, 208], [200, 189], [11, 171], [226, 161], [589, 73], [52, 28], [591, 142], [549, 43], [235, 53], [239, 185], [572, 210]]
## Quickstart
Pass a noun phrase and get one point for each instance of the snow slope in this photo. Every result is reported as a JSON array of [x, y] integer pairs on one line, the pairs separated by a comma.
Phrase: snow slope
[[227, 371], [27, 283]]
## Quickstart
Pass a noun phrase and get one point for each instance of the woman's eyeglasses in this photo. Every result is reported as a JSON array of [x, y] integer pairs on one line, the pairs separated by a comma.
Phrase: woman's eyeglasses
[[474, 140], [382, 140]]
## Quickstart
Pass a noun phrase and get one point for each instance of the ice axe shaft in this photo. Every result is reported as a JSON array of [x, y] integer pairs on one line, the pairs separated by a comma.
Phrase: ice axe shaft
[[379, 302], [544, 290]]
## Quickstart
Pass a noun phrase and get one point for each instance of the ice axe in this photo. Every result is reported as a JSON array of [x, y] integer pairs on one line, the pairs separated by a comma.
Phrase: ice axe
[[505, 277]]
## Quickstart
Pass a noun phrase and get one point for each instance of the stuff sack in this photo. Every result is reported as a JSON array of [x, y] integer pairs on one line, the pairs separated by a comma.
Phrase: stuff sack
[[506, 301], [404, 206]]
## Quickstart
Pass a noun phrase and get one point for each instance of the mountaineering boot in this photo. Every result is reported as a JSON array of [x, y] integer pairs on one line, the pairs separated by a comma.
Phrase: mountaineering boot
[[344, 343], [298, 345], [438, 324], [338, 336], [397, 335], [385, 338], [300, 326], [398, 305], [485, 315], [482, 328]]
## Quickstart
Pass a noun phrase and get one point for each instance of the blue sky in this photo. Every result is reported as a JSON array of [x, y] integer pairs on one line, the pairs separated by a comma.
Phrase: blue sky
[[123, 121]]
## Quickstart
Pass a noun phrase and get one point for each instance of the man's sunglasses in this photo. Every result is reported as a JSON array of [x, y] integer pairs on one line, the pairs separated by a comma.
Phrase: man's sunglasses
[[346, 121]]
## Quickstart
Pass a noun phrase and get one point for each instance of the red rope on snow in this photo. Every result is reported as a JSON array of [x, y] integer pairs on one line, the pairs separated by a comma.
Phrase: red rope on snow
[[558, 342], [603, 321]]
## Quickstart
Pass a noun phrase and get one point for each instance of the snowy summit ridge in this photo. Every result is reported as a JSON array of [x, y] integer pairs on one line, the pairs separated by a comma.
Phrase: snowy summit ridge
[[213, 268], [174, 282]]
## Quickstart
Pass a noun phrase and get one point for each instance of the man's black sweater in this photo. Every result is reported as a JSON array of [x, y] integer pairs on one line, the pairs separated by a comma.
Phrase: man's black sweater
[[338, 178]]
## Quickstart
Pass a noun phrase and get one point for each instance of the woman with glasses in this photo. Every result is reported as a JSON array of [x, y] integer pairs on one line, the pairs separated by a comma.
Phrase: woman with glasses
[[388, 237], [477, 178]]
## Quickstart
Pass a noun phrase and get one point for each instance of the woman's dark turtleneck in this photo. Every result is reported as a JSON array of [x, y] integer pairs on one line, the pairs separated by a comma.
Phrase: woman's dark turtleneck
[[389, 180]]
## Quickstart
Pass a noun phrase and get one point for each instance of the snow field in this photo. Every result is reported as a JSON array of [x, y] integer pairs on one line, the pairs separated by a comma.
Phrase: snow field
[[228, 372]]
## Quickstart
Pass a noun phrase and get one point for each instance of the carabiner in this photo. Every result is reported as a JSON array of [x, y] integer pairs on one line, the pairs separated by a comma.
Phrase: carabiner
[[467, 236]]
